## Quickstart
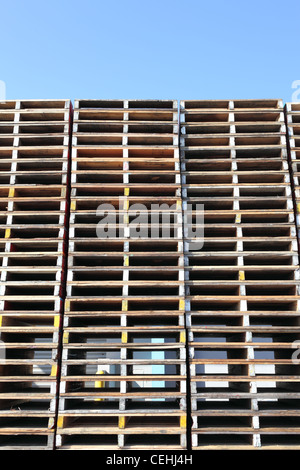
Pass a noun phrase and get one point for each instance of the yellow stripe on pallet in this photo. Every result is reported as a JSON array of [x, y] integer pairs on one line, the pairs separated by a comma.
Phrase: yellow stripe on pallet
[[124, 305], [182, 304], [54, 371], [124, 337], [122, 422], [65, 337], [241, 275], [60, 422], [100, 383], [298, 207], [238, 218], [183, 421], [56, 321], [11, 192], [67, 305], [1, 317], [126, 191], [182, 337], [126, 205], [126, 260], [7, 233], [73, 206]]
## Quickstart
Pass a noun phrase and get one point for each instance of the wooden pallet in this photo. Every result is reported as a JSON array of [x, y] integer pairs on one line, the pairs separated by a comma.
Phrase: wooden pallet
[[125, 110]]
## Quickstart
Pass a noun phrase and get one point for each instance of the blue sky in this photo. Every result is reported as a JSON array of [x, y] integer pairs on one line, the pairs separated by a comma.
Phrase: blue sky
[[163, 49]]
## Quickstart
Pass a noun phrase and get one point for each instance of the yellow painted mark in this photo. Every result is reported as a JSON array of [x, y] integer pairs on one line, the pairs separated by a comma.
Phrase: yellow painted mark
[[183, 421], [11, 192], [126, 260], [54, 371], [60, 422], [1, 317], [122, 422], [298, 207], [126, 205], [124, 337], [241, 275], [99, 384], [126, 191], [178, 205], [67, 305], [65, 337], [238, 218], [182, 337], [56, 321], [73, 206], [124, 305], [7, 232], [181, 304]]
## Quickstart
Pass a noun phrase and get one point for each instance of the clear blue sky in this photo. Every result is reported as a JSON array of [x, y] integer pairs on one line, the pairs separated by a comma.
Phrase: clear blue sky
[[164, 49]]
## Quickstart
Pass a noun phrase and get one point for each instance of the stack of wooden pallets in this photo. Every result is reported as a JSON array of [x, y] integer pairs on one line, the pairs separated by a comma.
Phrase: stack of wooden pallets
[[149, 274], [34, 151], [242, 284], [124, 365]]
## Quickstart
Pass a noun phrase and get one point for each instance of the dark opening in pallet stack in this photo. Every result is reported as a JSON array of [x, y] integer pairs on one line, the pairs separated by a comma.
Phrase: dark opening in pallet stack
[[242, 285], [123, 382], [34, 151]]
